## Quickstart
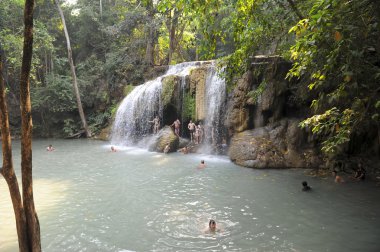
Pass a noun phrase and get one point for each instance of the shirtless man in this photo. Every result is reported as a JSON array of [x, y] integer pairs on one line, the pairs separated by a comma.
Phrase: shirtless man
[[156, 124], [191, 126], [337, 178], [202, 165], [50, 148], [176, 125]]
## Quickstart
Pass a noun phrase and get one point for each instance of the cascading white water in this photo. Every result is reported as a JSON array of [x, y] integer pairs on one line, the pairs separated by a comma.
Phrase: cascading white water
[[144, 103], [132, 117], [215, 101]]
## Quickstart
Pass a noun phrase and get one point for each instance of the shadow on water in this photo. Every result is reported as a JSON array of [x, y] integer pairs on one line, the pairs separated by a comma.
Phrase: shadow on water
[[91, 199]]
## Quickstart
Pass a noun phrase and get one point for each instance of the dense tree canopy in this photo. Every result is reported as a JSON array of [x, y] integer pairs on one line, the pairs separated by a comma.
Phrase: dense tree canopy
[[334, 45]]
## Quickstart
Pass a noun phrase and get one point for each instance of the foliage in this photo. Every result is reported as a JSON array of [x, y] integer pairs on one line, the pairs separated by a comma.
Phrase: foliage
[[337, 48], [188, 107], [254, 26], [255, 94], [57, 97], [334, 126], [98, 121], [70, 127], [128, 89]]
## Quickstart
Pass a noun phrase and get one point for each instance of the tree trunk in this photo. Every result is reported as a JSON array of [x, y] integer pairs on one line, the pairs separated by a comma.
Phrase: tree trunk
[[72, 67], [7, 170], [149, 54], [172, 35], [33, 226]]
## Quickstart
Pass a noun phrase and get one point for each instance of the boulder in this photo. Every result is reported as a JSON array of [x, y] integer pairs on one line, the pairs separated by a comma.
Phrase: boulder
[[279, 145], [104, 134], [165, 136]]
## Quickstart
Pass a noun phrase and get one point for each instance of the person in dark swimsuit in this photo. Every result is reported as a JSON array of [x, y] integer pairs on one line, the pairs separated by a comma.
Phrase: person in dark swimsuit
[[305, 187]]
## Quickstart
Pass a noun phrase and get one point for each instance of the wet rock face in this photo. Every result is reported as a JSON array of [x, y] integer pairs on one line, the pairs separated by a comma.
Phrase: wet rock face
[[165, 136], [238, 110], [198, 86], [279, 145], [259, 97]]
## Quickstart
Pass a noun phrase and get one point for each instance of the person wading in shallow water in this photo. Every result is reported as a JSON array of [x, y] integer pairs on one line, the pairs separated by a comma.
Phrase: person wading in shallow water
[[337, 178]]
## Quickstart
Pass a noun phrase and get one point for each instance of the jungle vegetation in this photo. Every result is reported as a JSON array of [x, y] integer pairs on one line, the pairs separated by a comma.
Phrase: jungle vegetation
[[334, 46]]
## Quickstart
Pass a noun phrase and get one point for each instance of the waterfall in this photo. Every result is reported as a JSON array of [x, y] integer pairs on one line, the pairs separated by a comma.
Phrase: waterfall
[[135, 111], [215, 107], [132, 124]]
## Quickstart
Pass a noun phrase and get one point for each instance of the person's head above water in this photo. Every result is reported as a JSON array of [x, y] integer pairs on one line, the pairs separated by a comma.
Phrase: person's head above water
[[212, 225], [305, 186], [202, 161]]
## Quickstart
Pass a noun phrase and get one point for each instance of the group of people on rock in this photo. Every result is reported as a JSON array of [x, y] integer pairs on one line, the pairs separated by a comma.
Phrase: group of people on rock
[[196, 132]]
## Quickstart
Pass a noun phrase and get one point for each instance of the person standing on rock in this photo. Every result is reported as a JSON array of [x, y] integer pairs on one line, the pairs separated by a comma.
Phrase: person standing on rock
[[201, 133], [156, 124], [176, 125], [191, 126]]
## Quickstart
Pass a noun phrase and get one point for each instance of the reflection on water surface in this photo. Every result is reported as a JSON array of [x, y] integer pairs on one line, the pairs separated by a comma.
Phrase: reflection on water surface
[[91, 199]]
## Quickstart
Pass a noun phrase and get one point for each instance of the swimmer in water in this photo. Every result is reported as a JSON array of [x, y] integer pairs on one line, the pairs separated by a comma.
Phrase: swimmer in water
[[212, 227], [202, 165], [50, 148], [305, 187]]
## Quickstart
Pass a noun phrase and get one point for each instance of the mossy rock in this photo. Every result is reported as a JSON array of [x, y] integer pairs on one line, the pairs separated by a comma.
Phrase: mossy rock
[[165, 136], [104, 134]]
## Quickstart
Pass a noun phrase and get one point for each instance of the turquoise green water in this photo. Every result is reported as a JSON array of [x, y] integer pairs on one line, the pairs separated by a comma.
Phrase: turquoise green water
[[91, 199]]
